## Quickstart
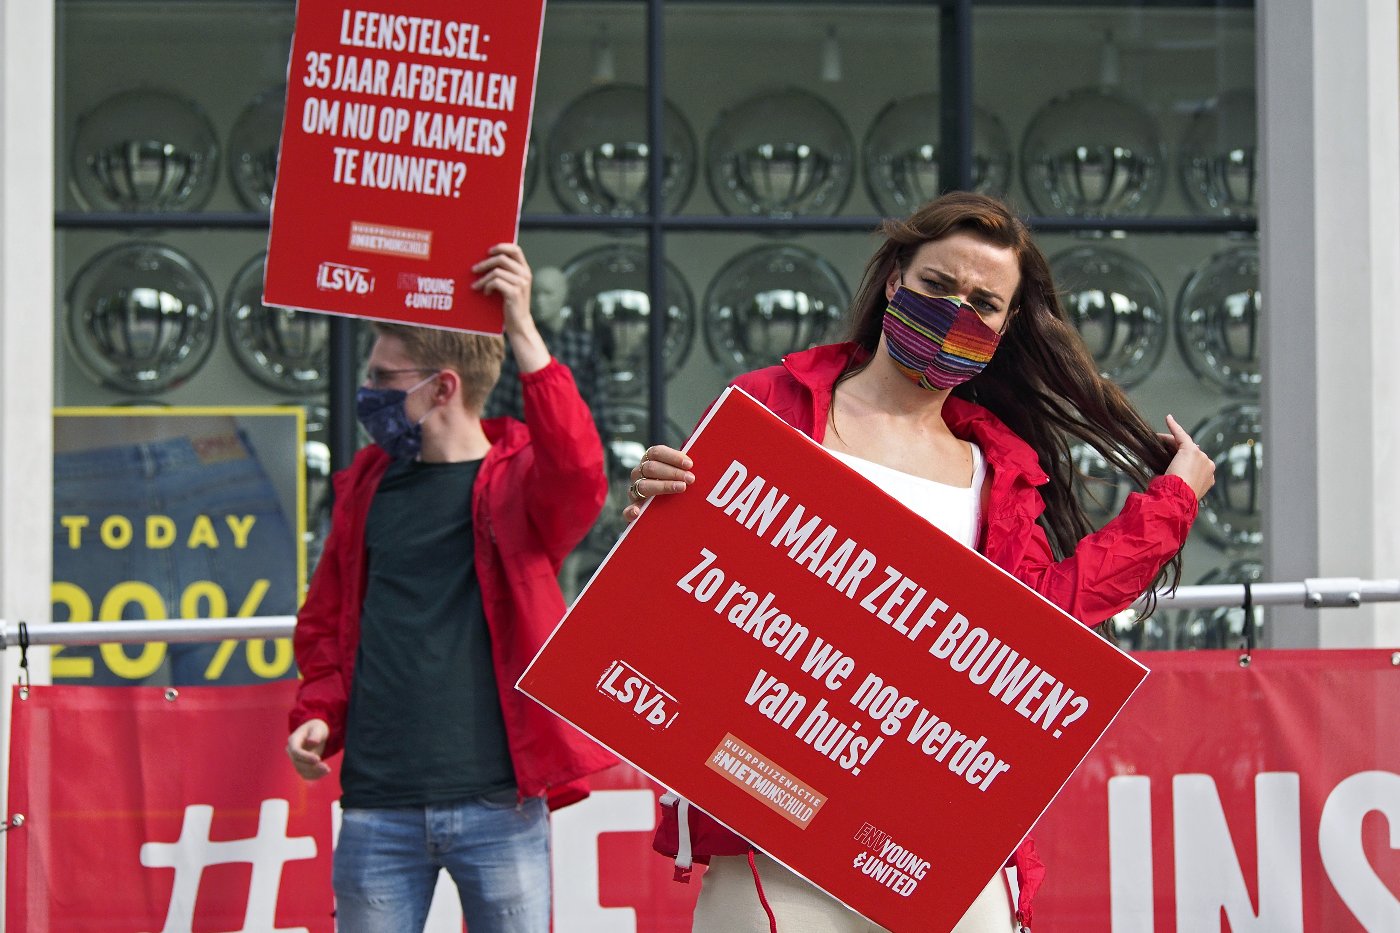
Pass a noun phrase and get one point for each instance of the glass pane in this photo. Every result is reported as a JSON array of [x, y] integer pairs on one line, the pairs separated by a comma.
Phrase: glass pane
[[169, 106]]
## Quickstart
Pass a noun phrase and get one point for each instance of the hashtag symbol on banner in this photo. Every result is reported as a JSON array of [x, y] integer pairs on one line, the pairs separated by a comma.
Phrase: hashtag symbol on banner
[[267, 852]]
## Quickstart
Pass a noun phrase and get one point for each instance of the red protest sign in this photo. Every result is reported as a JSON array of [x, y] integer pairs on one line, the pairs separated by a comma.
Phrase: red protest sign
[[873, 704], [402, 151]]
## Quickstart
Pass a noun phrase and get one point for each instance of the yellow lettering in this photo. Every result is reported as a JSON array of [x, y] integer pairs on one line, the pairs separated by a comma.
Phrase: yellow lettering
[[208, 592], [116, 532], [240, 528], [259, 663], [114, 604], [202, 534], [254, 598], [160, 532], [219, 662], [75, 525], [216, 604], [79, 610]]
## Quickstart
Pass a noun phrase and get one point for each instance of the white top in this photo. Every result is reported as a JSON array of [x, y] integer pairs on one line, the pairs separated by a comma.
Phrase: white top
[[954, 510]]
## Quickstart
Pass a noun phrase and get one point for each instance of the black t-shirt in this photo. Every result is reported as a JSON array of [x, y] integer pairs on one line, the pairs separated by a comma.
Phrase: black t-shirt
[[424, 722]]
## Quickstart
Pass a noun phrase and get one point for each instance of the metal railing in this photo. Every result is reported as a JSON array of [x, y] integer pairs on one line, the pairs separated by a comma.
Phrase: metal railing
[[1313, 593]]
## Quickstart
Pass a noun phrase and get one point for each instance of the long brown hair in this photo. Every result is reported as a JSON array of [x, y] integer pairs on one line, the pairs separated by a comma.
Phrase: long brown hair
[[1042, 382]]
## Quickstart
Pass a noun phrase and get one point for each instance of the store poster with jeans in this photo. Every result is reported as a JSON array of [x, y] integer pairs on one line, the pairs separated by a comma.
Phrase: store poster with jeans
[[177, 513]]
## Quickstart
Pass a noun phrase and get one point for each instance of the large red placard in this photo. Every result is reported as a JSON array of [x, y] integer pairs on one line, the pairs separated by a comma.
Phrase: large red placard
[[402, 152], [869, 701]]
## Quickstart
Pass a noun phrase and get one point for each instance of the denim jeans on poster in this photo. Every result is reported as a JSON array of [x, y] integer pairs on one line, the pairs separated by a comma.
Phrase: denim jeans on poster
[[387, 862], [180, 479]]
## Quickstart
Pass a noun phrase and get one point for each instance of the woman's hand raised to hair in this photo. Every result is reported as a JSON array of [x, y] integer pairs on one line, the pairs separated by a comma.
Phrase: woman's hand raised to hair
[[664, 471], [1189, 462]]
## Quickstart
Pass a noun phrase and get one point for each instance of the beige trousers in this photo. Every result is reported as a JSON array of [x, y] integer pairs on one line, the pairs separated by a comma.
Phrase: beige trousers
[[729, 904]]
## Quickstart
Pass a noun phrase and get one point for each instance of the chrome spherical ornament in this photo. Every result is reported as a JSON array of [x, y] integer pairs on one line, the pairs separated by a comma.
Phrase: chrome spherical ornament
[[316, 452], [626, 435], [1118, 307], [768, 302], [903, 156], [780, 154], [607, 298], [1092, 153], [1222, 626], [1099, 486], [1219, 157], [1217, 321], [140, 317], [144, 150], [253, 145], [285, 350], [599, 156], [1230, 512]]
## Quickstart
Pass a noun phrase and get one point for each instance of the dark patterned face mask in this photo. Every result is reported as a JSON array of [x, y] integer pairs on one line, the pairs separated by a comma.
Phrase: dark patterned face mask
[[938, 343], [381, 413]]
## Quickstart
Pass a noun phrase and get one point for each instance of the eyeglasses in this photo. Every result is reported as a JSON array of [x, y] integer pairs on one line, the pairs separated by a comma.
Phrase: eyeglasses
[[377, 378]]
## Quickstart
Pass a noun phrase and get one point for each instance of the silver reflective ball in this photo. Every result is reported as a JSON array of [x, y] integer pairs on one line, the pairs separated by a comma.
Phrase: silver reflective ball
[[780, 154], [252, 148], [140, 317], [599, 160], [607, 298], [626, 435], [768, 302], [1230, 511], [902, 156], [317, 453], [1219, 157], [1217, 321], [1100, 487], [144, 150], [1092, 153], [1222, 626], [1118, 307], [283, 349]]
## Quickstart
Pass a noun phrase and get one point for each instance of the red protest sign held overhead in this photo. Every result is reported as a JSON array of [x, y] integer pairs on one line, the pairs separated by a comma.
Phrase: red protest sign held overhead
[[403, 147], [870, 702]]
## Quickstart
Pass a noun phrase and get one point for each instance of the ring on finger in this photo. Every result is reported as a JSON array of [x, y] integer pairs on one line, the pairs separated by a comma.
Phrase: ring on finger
[[634, 491], [646, 455]]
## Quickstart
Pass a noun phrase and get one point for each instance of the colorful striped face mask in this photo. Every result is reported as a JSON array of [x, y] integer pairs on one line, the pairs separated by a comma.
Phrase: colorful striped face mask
[[937, 342]]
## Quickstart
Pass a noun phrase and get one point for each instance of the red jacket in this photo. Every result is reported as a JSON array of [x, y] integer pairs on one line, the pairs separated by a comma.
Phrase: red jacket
[[538, 492], [1109, 570]]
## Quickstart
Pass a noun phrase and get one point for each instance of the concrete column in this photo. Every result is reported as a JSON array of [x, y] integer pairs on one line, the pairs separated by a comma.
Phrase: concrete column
[[1331, 280], [26, 325]]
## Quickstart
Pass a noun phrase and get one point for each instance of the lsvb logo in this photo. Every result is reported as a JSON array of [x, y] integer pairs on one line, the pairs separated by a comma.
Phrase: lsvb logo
[[640, 694], [336, 277]]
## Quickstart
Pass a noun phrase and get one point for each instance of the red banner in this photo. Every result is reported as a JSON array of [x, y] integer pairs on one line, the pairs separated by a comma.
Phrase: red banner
[[403, 147], [147, 808], [872, 703], [1267, 795]]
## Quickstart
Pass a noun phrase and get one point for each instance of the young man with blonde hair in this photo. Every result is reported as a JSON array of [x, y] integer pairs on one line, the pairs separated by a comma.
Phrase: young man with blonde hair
[[435, 589]]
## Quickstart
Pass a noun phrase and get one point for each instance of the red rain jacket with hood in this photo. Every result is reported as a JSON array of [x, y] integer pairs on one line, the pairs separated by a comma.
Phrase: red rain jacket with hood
[[538, 492]]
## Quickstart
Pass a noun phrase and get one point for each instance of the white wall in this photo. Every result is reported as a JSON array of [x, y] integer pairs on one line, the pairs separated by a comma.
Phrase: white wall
[[1331, 257], [26, 326]]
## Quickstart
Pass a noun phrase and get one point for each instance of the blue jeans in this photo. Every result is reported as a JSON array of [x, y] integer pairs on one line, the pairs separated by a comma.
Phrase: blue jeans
[[387, 861]]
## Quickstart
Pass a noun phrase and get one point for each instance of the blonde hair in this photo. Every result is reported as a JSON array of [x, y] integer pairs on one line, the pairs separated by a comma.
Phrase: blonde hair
[[474, 357]]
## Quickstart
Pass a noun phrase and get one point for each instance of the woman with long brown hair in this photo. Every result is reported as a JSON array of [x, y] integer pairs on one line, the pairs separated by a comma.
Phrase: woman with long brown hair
[[959, 393]]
